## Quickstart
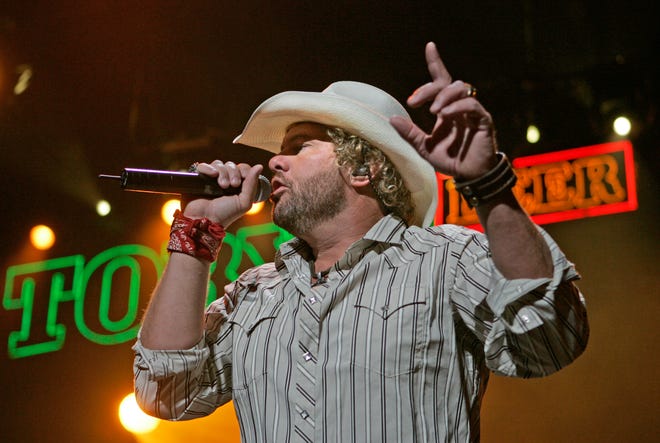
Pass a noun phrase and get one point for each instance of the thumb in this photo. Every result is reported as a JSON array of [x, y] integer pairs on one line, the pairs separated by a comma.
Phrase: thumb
[[250, 185], [409, 131]]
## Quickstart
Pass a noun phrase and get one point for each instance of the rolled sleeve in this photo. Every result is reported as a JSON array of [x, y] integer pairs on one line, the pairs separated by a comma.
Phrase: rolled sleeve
[[533, 327], [183, 384], [541, 324], [162, 364], [179, 384]]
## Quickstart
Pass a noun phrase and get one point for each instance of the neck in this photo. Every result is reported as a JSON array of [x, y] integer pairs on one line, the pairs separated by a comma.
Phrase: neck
[[330, 239]]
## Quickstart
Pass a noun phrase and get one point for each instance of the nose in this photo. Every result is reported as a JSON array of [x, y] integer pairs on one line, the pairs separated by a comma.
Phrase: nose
[[278, 163]]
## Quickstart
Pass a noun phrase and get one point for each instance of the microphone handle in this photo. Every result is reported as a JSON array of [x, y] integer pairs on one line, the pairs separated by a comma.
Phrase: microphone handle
[[176, 182]]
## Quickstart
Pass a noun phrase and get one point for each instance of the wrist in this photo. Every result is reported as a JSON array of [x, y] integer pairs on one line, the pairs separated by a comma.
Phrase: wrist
[[490, 186], [477, 173], [197, 237]]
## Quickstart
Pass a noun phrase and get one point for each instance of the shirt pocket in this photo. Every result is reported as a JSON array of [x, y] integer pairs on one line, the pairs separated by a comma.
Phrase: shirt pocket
[[252, 328], [390, 331]]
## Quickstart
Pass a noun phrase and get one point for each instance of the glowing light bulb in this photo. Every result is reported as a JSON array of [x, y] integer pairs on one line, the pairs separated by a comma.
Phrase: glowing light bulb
[[133, 419], [168, 209], [533, 134], [42, 237], [25, 75], [103, 208], [622, 125], [256, 208]]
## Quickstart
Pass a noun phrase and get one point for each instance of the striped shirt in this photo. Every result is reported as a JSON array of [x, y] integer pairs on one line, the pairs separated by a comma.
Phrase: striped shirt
[[395, 344]]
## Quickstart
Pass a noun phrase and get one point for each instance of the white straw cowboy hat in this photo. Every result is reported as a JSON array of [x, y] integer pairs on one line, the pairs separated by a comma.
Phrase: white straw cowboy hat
[[360, 109]]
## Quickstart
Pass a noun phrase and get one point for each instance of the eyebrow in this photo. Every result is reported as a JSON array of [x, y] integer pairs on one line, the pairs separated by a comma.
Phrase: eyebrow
[[297, 139]]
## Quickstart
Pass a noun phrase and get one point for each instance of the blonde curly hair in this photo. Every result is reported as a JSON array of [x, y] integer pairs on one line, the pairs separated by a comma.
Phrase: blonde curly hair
[[353, 152]]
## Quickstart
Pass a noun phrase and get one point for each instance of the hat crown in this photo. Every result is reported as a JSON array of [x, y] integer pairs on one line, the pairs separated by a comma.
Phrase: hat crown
[[370, 97]]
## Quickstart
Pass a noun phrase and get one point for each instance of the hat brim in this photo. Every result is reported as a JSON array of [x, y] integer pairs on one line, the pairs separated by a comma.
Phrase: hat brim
[[267, 126]]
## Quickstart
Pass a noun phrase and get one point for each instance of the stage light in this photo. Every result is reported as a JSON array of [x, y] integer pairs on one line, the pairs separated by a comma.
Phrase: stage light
[[133, 419], [42, 237], [533, 134], [168, 209], [622, 125], [256, 208], [103, 208], [24, 75]]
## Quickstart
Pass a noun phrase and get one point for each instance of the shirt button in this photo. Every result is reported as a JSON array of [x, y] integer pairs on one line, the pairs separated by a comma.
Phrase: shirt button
[[304, 415], [525, 318], [312, 300], [307, 356]]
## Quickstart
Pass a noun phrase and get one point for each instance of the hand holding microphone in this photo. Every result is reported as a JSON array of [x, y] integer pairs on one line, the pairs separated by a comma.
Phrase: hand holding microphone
[[184, 183], [205, 180]]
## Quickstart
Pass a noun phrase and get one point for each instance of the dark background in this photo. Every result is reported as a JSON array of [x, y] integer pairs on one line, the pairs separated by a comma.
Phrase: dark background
[[162, 83]]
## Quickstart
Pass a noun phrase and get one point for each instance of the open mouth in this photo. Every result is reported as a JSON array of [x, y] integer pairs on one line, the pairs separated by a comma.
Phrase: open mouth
[[279, 187]]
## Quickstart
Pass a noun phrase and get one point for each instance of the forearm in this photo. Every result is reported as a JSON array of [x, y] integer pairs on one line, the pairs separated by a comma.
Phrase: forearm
[[518, 249], [175, 316]]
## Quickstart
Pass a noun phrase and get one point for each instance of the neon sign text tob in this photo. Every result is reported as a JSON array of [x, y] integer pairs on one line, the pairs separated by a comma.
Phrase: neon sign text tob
[[105, 292]]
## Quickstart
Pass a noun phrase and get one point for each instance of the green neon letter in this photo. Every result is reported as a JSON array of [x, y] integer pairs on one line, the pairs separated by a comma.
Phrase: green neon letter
[[32, 278], [128, 258]]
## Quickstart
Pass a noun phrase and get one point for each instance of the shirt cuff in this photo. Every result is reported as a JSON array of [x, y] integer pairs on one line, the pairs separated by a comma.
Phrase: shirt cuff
[[166, 363]]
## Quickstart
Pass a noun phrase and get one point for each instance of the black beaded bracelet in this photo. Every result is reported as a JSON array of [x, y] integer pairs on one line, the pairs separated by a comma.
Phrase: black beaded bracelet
[[485, 188]]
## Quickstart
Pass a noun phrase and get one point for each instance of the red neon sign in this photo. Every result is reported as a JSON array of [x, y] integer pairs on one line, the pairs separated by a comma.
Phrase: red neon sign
[[559, 186]]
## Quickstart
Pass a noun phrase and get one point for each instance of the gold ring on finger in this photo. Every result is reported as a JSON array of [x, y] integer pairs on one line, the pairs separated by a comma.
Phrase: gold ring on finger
[[471, 90]]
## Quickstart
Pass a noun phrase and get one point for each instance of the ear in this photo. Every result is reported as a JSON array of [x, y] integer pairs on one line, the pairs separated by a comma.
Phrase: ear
[[360, 176], [361, 170]]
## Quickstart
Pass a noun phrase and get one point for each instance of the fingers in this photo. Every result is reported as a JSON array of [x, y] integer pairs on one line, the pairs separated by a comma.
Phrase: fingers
[[232, 205], [435, 65], [250, 182], [454, 92], [458, 101], [441, 91], [452, 100], [229, 174], [439, 75]]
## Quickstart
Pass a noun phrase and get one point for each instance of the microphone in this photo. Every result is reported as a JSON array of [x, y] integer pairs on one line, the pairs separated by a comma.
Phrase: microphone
[[175, 182]]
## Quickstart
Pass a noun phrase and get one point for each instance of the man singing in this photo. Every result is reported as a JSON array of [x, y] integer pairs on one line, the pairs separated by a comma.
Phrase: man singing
[[370, 325]]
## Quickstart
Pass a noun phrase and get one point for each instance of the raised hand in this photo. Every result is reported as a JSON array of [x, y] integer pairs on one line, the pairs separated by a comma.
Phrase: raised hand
[[462, 143]]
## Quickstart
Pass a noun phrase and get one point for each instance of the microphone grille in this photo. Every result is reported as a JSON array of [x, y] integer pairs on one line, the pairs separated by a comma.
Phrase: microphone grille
[[263, 189]]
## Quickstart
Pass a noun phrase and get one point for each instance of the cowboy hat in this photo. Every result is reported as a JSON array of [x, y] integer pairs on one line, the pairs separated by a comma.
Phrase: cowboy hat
[[360, 109]]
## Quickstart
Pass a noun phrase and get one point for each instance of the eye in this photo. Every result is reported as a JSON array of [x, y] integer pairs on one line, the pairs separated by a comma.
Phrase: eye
[[291, 150], [298, 148], [295, 146]]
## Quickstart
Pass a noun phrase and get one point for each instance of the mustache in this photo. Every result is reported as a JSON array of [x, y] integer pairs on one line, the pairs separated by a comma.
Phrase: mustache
[[279, 179]]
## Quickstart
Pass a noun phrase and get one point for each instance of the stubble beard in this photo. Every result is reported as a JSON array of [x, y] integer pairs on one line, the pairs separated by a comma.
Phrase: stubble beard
[[310, 202]]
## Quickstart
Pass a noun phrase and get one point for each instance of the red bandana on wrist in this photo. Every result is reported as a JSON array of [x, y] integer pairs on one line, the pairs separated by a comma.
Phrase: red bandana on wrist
[[199, 238]]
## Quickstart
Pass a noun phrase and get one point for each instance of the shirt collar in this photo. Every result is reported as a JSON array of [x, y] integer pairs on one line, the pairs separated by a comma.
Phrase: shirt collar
[[389, 230]]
